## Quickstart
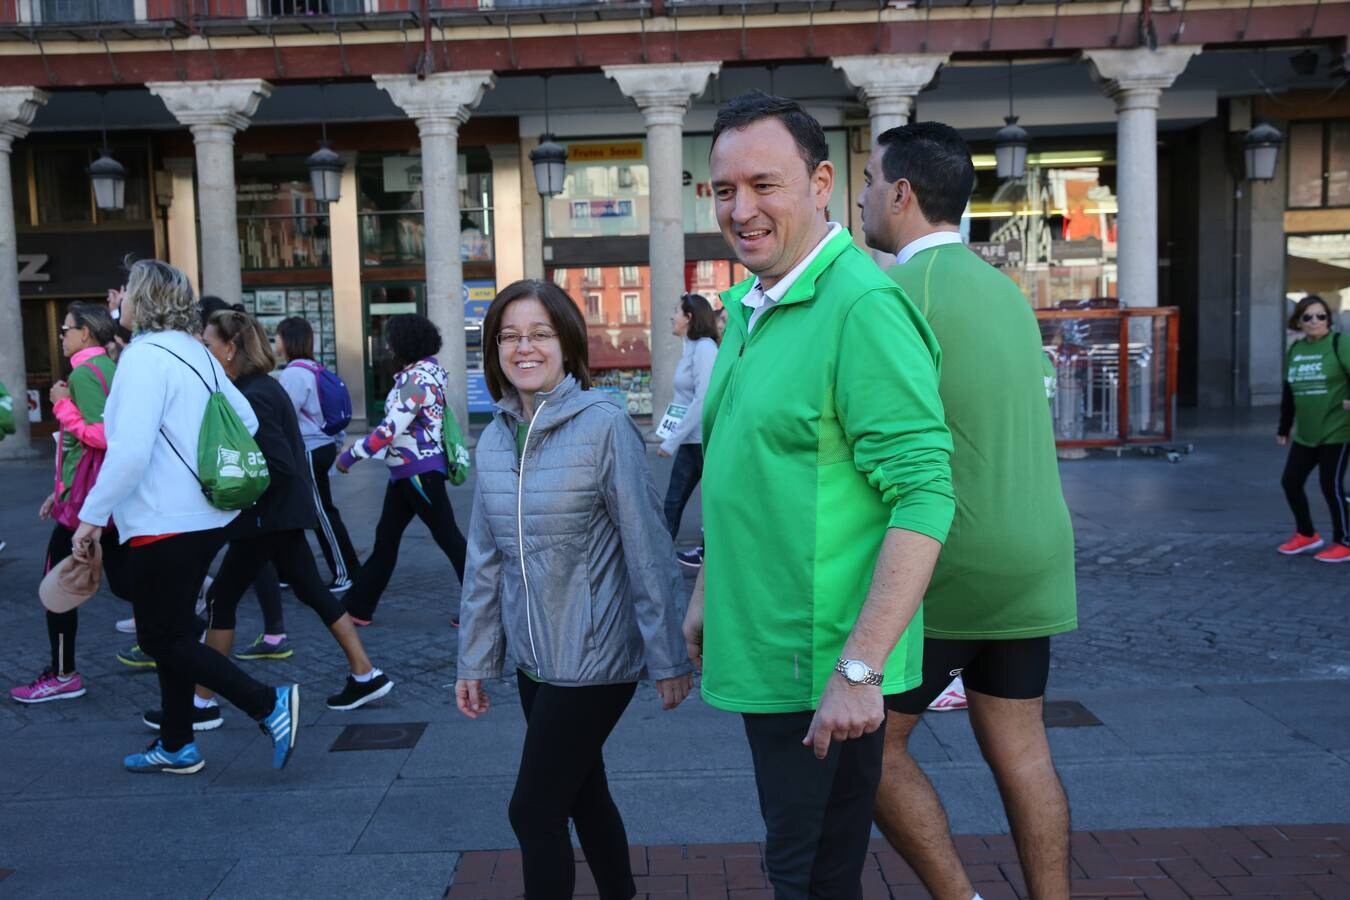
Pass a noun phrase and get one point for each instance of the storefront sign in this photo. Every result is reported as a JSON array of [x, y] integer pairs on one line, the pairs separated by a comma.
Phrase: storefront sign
[[31, 266], [602, 209], [1088, 248], [614, 151], [999, 253]]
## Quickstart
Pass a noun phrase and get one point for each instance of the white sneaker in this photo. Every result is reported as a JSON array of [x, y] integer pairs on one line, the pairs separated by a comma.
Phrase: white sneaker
[[954, 697], [126, 626], [201, 595]]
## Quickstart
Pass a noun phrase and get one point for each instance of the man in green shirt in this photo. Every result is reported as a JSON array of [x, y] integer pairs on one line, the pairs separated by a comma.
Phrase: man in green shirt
[[826, 495], [1005, 580]]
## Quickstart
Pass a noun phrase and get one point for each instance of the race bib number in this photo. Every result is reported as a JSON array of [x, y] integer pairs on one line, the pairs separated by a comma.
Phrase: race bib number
[[671, 420]]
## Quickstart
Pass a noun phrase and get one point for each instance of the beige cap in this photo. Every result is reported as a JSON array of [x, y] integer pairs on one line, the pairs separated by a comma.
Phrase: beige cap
[[71, 582]]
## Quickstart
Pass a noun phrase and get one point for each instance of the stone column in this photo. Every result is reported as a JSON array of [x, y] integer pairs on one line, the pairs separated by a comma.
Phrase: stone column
[[214, 111], [440, 103], [889, 84], [18, 105], [1135, 80], [663, 94]]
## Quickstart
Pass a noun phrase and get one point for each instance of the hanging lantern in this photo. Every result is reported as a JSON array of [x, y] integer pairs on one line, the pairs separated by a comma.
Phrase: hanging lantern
[[110, 181], [325, 173], [1010, 149], [550, 166], [1261, 148]]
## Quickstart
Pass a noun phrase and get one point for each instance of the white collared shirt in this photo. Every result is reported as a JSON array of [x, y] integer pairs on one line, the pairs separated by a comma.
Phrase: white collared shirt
[[761, 301], [932, 239]]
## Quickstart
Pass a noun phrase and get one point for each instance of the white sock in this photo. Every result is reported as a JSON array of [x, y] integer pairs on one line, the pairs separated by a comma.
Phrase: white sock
[[203, 704], [366, 677]]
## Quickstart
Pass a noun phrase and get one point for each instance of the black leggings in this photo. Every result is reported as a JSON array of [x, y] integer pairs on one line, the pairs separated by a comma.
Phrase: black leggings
[[419, 495], [61, 627], [684, 477], [165, 576], [331, 531], [244, 559], [1329, 461], [562, 776]]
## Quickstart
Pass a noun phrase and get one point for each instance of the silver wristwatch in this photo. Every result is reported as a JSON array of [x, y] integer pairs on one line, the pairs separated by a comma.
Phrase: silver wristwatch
[[855, 671]]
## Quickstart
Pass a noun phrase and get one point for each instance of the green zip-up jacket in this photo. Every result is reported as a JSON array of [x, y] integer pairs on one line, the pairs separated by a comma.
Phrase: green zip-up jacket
[[822, 429]]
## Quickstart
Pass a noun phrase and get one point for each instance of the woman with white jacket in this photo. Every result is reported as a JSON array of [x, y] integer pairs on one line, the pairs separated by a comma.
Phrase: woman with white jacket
[[696, 322], [154, 414]]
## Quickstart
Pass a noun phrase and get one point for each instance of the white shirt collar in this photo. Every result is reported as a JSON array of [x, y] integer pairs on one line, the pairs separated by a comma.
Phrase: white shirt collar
[[933, 239], [758, 296]]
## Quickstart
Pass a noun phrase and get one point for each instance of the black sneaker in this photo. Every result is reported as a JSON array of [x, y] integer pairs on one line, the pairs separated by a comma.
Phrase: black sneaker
[[692, 558], [359, 693], [202, 719]]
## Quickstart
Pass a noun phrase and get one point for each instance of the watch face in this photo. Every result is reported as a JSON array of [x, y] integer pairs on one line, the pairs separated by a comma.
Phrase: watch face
[[855, 670]]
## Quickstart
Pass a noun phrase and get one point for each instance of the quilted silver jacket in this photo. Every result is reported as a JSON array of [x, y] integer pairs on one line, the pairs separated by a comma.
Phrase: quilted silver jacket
[[570, 570]]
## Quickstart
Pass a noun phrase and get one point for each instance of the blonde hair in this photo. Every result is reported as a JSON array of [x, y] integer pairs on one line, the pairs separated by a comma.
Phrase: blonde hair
[[249, 340], [162, 298]]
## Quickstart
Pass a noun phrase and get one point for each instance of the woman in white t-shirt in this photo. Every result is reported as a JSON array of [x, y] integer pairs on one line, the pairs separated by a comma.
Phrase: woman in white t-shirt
[[695, 321], [294, 342]]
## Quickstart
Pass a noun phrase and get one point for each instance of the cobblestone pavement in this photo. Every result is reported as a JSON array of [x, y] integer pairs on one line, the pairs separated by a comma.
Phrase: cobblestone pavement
[[1301, 861]]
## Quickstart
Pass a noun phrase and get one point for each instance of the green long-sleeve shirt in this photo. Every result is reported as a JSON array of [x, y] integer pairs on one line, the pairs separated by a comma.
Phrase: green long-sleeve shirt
[[1007, 568], [822, 429]]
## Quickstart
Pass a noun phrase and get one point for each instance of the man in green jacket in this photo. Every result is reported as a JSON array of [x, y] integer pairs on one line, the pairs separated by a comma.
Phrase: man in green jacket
[[826, 496], [1005, 581]]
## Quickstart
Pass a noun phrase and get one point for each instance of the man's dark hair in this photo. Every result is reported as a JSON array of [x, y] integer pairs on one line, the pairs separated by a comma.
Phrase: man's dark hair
[[411, 338], [936, 162], [752, 106], [563, 315], [297, 337], [211, 304]]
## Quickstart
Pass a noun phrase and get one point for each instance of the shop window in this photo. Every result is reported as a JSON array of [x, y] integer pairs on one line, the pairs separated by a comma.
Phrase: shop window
[[618, 331], [311, 302], [61, 188], [281, 226], [1052, 231], [1319, 164], [1319, 264], [392, 229]]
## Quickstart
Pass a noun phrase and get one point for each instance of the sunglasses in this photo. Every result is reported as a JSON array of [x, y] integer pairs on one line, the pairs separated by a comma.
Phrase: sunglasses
[[1314, 317]]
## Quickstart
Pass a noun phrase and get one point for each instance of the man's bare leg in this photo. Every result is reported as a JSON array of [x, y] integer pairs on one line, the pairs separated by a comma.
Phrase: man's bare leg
[[910, 815], [1012, 738]]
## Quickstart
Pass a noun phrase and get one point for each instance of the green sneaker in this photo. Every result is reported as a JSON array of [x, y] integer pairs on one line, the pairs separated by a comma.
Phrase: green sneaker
[[136, 658], [260, 649]]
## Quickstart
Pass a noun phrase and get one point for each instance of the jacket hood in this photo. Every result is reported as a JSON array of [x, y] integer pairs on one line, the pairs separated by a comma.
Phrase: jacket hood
[[552, 408]]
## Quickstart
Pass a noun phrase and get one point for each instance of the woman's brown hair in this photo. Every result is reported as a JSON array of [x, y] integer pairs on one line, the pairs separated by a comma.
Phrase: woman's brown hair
[[1296, 318], [249, 340], [297, 337], [563, 315], [702, 319]]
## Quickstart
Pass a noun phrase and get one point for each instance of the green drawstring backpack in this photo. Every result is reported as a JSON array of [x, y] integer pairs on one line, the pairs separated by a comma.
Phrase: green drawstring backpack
[[231, 470], [6, 412]]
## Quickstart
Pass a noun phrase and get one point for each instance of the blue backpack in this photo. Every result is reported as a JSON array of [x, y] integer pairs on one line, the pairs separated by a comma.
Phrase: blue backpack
[[334, 400]]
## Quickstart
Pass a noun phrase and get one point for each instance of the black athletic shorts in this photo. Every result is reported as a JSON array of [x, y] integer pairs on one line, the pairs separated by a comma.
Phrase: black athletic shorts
[[1012, 670]]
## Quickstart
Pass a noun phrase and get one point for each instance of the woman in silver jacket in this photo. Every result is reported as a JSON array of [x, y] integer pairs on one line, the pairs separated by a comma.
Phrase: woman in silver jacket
[[569, 574]]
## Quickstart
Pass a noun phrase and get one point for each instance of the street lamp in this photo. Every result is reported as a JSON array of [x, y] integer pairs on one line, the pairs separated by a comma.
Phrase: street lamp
[[1261, 151], [549, 159], [107, 174], [1010, 143], [325, 166]]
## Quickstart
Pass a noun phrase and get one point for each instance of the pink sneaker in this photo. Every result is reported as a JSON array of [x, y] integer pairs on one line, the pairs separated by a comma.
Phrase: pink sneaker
[[48, 687], [954, 697]]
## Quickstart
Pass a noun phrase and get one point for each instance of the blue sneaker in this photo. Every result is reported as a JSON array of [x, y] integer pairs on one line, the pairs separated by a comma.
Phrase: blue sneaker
[[281, 724], [156, 759]]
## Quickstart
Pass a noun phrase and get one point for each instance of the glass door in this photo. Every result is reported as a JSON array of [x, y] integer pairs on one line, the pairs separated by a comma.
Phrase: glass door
[[383, 301]]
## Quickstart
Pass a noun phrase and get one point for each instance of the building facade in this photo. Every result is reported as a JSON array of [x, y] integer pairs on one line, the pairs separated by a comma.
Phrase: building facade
[[1134, 187]]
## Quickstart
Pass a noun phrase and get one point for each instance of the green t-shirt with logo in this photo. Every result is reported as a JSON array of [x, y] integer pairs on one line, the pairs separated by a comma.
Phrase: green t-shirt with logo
[[1318, 381], [1007, 569]]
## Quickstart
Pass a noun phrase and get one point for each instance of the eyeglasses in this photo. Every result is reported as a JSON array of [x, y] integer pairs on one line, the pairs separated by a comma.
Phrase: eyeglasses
[[1314, 317], [65, 328], [538, 336]]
